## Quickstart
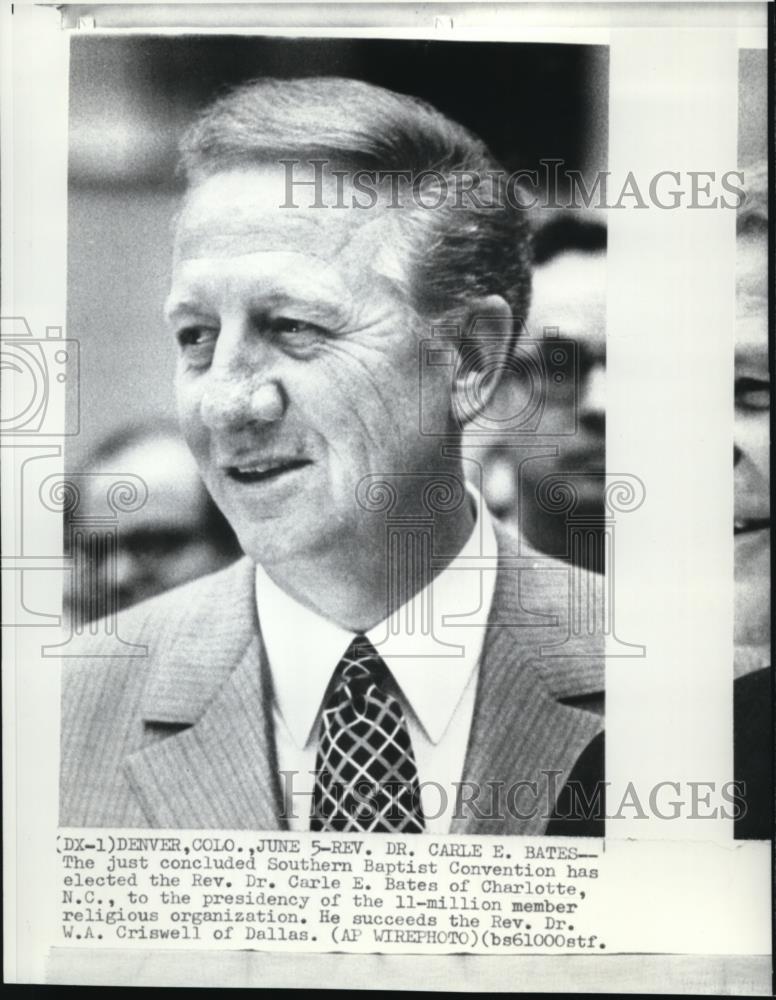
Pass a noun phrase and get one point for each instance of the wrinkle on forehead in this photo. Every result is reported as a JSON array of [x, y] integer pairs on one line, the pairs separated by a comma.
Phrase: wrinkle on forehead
[[278, 277], [240, 212], [206, 234], [333, 296]]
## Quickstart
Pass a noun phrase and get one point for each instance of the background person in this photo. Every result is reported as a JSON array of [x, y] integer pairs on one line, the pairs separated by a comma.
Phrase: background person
[[333, 652], [569, 301], [177, 535], [753, 722]]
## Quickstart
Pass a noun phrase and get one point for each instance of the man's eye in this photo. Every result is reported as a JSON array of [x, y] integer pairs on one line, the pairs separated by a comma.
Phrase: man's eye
[[196, 336], [197, 344], [752, 394], [297, 332]]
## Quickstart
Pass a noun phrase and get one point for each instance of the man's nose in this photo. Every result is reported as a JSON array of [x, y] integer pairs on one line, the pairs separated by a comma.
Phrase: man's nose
[[243, 383], [239, 402]]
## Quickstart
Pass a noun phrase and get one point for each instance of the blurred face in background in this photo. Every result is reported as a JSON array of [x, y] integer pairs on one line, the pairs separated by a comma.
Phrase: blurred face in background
[[752, 443], [569, 296], [569, 293], [165, 543]]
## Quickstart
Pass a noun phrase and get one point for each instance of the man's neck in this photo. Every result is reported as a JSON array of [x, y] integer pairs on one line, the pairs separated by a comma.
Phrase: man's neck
[[363, 580]]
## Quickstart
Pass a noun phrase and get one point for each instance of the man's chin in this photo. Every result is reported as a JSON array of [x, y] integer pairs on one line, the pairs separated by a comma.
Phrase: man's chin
[[284, 539]]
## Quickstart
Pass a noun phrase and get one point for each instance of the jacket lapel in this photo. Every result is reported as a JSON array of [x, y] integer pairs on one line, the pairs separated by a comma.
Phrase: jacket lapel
[[219, 772], [520, 732], [210, 676]]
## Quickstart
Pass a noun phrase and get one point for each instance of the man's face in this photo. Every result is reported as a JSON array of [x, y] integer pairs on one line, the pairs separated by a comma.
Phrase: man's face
[[569, 296], [751, 442], [298, 361]]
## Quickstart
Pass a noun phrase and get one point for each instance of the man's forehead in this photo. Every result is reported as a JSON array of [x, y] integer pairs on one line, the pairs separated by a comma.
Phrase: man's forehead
[[244, 211], [569, 292]]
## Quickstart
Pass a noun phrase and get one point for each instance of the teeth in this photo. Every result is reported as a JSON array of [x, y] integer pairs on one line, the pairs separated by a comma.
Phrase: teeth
[[262, 467], [271, 465]]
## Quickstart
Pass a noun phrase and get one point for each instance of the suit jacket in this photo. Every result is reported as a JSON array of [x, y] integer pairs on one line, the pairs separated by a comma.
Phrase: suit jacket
[[753, 753], [182, 737]]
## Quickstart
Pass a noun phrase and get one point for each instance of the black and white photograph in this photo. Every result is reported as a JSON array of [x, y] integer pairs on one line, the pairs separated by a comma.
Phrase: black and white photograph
[[381, 604], [753, 700], [361, 258]]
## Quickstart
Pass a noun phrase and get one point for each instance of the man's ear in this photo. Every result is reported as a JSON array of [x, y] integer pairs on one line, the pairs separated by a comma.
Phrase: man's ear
[[484, 354]]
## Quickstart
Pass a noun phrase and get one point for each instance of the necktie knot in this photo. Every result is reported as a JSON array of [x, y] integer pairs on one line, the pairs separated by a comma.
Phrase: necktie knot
[[359, 672], [366, 777]]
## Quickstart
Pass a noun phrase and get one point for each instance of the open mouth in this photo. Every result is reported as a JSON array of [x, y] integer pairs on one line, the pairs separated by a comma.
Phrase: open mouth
[[265, 471], [745, 526]]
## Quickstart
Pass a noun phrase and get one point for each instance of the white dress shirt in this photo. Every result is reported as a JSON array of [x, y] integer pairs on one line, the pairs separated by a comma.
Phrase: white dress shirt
[[435, 673]]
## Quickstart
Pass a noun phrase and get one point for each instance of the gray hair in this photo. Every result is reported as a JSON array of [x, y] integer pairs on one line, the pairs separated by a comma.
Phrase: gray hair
[[461, 250]]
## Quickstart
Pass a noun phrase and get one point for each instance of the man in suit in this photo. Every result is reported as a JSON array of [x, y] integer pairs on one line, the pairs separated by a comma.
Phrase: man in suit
[[752, 697], [378, 660]]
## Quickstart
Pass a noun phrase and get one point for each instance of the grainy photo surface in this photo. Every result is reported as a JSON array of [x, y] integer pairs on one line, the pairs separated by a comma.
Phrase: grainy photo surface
[[381, 605], [361, 278], [753, 699]]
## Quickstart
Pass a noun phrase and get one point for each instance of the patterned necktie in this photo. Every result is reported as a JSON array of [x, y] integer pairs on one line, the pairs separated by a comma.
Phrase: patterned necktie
[[366, 779]]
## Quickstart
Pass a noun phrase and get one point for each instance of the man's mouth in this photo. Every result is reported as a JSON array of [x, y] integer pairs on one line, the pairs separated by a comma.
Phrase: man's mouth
[[744, 525], [265, 470]]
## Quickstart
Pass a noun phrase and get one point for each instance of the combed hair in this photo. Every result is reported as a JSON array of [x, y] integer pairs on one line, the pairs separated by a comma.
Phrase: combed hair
[[457, 251]]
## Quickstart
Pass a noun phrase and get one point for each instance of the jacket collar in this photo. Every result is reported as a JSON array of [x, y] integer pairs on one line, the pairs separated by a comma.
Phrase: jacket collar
[[209, 673], [203, 651], [524, 742], [201, 648]]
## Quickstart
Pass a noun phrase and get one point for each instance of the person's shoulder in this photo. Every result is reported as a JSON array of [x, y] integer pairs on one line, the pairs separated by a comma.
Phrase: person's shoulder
[[196, 595], [753, 693], [540, 590], [107, 669], [169, 612], [551, 573], [128, 645]]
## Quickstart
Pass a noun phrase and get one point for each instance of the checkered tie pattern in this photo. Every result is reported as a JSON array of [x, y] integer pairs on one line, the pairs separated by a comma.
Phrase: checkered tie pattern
[[366, 778]]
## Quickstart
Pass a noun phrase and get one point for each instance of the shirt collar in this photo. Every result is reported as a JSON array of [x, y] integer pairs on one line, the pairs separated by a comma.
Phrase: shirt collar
[[303, 648]]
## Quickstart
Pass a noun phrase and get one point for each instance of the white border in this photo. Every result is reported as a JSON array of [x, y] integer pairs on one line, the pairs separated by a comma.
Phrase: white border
[[695, 640]]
